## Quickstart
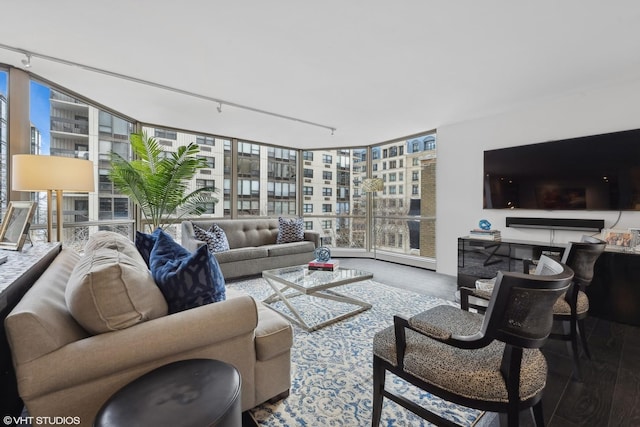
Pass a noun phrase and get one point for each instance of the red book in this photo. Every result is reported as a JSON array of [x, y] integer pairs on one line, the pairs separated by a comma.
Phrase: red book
[[323, 265]]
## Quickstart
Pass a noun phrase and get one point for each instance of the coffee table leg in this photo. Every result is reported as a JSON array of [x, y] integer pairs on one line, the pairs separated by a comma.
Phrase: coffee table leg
[[279, 295], [282, 297]]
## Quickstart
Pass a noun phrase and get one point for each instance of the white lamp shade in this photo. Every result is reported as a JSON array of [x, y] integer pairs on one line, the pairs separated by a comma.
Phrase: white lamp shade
[[30, 172]]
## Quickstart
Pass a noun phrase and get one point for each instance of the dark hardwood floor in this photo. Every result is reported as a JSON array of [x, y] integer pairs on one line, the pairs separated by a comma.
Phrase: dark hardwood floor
[[607, 395]]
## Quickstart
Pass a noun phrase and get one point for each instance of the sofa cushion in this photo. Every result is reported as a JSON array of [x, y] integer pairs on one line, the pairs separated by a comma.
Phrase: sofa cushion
[[144, 243], [290, 230], [186, 279], [109, 289], [242, 254], [291, 248], [215, 238]]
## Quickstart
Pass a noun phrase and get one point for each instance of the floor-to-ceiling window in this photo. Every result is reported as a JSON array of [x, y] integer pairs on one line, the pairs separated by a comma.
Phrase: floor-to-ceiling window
[[404, 211], [254, 179], [281, 181], [113, 136], [248, 172], [63, 125], [332, 202]]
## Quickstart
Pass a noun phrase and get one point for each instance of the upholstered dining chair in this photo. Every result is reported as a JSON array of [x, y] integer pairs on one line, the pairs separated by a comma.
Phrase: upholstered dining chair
[[572, 308], [490, 362]]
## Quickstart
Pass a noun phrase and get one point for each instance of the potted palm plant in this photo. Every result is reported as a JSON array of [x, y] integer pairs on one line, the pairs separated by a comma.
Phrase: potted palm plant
[[158, 181]]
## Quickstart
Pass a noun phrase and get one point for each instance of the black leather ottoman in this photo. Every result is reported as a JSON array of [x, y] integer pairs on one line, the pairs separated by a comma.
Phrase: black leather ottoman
[[188, 393]]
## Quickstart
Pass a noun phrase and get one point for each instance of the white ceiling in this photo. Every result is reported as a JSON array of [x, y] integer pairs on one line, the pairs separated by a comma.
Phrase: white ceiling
[[375, 70]]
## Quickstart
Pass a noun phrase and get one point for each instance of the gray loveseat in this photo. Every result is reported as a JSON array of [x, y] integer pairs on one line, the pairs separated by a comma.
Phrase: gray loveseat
[[65, 371], [253, 245]]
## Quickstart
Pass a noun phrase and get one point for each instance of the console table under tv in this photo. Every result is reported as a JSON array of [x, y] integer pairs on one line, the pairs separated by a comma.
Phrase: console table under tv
[[614, 293]]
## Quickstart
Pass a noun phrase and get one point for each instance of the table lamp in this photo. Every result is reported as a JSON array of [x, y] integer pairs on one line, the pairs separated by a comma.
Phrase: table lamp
[[31, 172], [371, 186]]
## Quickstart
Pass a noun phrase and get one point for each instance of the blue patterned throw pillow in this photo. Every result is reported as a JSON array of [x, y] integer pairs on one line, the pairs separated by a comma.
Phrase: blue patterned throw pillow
[[186, 279], [145, 242], [215, 238], [290, 230]]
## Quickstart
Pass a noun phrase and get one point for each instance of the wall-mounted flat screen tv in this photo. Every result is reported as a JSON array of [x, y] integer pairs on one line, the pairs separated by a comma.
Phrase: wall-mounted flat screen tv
[[598, 172]]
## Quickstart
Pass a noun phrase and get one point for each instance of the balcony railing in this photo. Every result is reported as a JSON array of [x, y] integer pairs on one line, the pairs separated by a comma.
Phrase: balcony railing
[[80, 127]]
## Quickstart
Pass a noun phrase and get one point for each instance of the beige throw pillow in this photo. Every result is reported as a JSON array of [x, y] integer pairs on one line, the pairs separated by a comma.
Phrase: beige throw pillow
[[111, 288]]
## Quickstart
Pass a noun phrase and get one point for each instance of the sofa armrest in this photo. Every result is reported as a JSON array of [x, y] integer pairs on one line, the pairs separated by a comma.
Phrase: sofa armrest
[[312, 236], [143, 344]]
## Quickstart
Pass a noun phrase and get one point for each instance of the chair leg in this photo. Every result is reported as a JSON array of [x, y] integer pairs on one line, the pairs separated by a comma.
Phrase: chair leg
[[379, 374], [583, 337], [572, 345], [513, 416], [538, 416]]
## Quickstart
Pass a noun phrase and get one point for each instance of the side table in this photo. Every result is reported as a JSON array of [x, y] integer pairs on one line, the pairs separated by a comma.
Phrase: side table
[[187, 393], [17, 275]]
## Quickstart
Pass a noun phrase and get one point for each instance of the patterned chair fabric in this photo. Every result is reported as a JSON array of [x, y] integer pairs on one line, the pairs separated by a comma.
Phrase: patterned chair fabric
[[489, 362]]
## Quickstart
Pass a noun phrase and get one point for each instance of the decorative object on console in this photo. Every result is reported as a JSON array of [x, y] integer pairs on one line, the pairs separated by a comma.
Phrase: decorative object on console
[[31, 172], [635, 239], [15, 225], [617, 239], [484, 224]]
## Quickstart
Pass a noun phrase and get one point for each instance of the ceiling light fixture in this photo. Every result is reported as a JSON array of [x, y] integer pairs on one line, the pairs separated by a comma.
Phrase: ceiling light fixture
[[161, 86], [27, 62]]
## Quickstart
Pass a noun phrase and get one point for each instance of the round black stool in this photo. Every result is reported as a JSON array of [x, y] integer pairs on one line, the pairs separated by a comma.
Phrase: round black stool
[[187, 393]]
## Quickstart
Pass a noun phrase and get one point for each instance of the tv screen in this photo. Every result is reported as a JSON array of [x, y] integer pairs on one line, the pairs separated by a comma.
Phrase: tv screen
[[599, 172]]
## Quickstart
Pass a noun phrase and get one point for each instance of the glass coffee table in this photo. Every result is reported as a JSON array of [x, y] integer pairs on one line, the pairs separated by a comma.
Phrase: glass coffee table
[[292, 282]]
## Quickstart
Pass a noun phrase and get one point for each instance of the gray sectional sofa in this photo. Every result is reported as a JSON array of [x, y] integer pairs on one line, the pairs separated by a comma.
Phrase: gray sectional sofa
[[253, 246], [64, 370]]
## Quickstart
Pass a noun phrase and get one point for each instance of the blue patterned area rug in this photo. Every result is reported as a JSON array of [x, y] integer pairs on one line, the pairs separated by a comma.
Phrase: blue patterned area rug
[[332, 367]]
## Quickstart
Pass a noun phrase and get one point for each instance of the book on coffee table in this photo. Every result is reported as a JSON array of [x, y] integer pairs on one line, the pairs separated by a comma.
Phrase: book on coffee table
[[328, 265]]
